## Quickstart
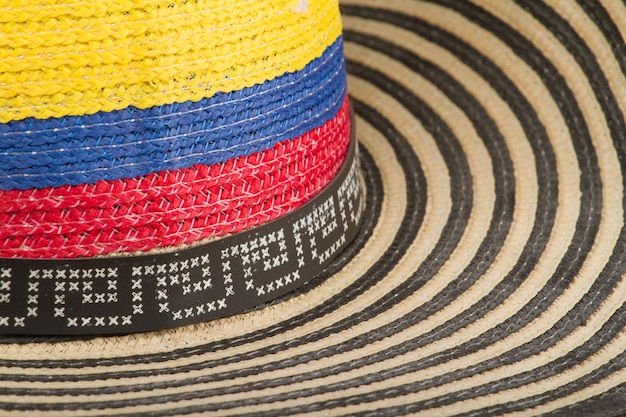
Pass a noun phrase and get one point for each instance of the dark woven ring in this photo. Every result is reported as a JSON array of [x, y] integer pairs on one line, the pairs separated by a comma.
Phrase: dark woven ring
[[164, 290]]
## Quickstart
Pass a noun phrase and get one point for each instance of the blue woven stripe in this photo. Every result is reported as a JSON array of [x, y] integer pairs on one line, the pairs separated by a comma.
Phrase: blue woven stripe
[[75, 150]]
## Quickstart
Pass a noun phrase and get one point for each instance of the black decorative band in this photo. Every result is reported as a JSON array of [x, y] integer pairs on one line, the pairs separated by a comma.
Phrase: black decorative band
[[160, 291]]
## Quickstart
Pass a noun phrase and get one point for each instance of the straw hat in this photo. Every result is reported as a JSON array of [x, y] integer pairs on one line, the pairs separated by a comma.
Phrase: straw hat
[[466, 258]]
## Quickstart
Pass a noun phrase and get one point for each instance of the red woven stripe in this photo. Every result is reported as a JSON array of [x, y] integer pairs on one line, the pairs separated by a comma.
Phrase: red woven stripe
[[172, 207]]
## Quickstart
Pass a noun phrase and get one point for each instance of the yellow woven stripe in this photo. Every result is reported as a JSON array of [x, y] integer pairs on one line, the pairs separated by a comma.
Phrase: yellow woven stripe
[[70, 57]]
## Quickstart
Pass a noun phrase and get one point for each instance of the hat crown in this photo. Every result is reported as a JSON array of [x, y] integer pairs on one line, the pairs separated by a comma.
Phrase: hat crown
[[168, 162], [130, 126]]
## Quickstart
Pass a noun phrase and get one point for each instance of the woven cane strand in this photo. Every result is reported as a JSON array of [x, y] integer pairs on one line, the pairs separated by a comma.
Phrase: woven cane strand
[[173, 208], [38, 153], [74, 59]]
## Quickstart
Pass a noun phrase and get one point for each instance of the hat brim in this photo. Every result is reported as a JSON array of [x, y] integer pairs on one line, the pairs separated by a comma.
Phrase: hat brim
[[487, 277]]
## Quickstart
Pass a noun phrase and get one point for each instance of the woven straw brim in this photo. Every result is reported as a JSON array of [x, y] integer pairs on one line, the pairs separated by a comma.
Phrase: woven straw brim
[[488, 277]]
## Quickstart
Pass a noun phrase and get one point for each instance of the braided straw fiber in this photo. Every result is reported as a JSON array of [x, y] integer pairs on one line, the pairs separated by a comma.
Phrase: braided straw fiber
[[130, 127], [489, 274], [143, 54], [173, 208]]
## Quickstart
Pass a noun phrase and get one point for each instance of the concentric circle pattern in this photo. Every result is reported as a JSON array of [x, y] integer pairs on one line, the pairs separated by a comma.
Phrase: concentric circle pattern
[[488, 277]]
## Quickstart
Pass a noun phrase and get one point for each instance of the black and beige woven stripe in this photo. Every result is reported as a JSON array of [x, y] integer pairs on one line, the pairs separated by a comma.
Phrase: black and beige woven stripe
[[489, 274]]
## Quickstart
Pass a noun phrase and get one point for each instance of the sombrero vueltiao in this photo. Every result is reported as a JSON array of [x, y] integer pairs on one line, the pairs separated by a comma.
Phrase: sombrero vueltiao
[[187, 226]]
